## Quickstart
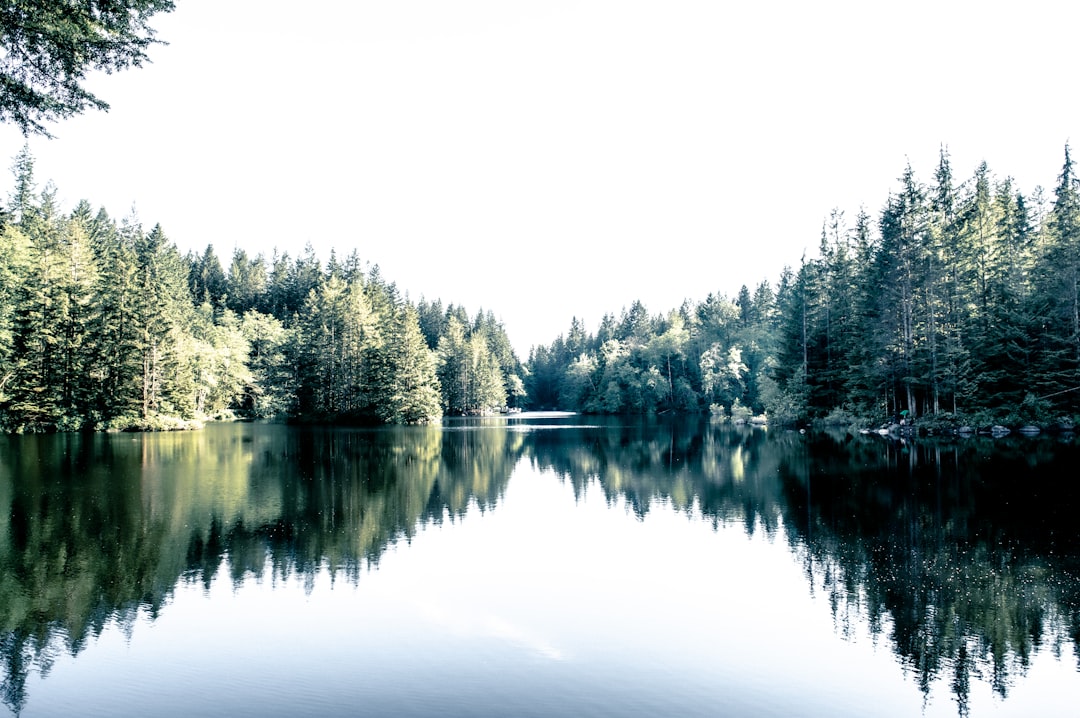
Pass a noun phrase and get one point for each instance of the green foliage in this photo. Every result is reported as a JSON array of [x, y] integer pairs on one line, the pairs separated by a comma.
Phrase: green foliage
[[270, 392], [957, 300], [715, 352], [739, 413], [108, 326], [14, 265], [788, 404], [402, 384], [50, 46], [472, 378], [964, 302]]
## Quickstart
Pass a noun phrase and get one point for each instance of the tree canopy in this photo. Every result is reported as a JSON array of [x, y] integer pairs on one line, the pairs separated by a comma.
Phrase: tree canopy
[[105, 325], [48, 46], [958, 302]]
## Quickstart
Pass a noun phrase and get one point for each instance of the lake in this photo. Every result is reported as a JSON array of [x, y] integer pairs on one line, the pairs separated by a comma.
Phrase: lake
[[540, 565]]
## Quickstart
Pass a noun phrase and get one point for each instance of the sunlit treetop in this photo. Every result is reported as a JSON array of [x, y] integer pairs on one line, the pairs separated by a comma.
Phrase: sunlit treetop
[[48, 46]]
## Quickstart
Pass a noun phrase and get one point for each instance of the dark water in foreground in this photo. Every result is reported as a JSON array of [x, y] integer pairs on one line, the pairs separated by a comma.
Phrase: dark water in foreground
[[537, 567]]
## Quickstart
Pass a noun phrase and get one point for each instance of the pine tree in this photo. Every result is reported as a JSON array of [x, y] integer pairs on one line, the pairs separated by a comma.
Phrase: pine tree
[[401, 383], [902, 262], [37, 402], [951, 354], [454, 369], [1056, 305], [163, 306], [337, 329], [245, 287], [206, 279], [116, 366], [49, 47], [79, 285], [14, 265]]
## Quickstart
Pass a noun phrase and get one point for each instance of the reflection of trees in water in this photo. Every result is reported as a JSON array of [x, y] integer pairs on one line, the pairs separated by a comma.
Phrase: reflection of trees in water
[[726, 475], [346, 496], [102, 528], [78, 552], [968, 564], [963, 554]]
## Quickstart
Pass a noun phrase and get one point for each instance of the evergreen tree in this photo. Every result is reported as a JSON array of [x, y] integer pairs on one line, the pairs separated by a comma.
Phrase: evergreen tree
[[14, 266], [454, 369], [78, 285], [206, 279], [402, 385], [50, 47], [245, 288], [39, 386], [1056, 306], [336, 331], [432, 319], [162, 308], [117, 363]]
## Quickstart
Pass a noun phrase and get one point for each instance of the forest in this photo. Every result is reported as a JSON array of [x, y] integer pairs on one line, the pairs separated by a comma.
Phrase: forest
[[106, 326], [958, 303]]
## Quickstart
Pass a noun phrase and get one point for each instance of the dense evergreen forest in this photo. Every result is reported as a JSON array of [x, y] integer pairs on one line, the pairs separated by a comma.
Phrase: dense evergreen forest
[[959, 302], [104, 325]]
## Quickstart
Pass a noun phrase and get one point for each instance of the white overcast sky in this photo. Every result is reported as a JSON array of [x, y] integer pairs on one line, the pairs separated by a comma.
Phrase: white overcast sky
[[551, 159]]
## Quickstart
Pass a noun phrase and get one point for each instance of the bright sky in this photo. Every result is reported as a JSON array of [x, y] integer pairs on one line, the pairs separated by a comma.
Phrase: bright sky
[[555, 159]]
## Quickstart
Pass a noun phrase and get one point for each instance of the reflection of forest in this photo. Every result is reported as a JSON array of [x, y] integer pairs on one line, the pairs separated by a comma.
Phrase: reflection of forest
[[967, 563], [963, 553], [722, 473], [102, 527]]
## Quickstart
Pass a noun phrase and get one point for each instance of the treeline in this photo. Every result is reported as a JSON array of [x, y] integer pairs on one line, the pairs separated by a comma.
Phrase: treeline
[[104, 325], [964, 301], [960, 301], [717, 353]]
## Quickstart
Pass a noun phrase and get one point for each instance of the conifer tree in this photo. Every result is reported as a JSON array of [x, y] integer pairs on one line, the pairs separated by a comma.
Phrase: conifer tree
[[117, 363], [50, 47], [246, 285], [206, 279], [14, 261], [163, 305], [401, 382], [1057, 302], [79, 283], [37, 384], [454, 369]]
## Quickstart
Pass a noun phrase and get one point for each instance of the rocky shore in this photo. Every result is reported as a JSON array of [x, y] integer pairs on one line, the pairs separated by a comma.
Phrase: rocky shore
[[937, 428]]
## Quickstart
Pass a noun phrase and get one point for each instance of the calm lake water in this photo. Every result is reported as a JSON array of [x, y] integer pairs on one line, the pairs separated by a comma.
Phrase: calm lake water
[[541, 566]]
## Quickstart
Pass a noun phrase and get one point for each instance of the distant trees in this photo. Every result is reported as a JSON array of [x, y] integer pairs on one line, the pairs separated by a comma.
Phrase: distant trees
[[715, 353], [472, 378]]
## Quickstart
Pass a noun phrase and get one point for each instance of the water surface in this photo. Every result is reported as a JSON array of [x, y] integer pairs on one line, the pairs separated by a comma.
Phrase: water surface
[[552, 565]]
